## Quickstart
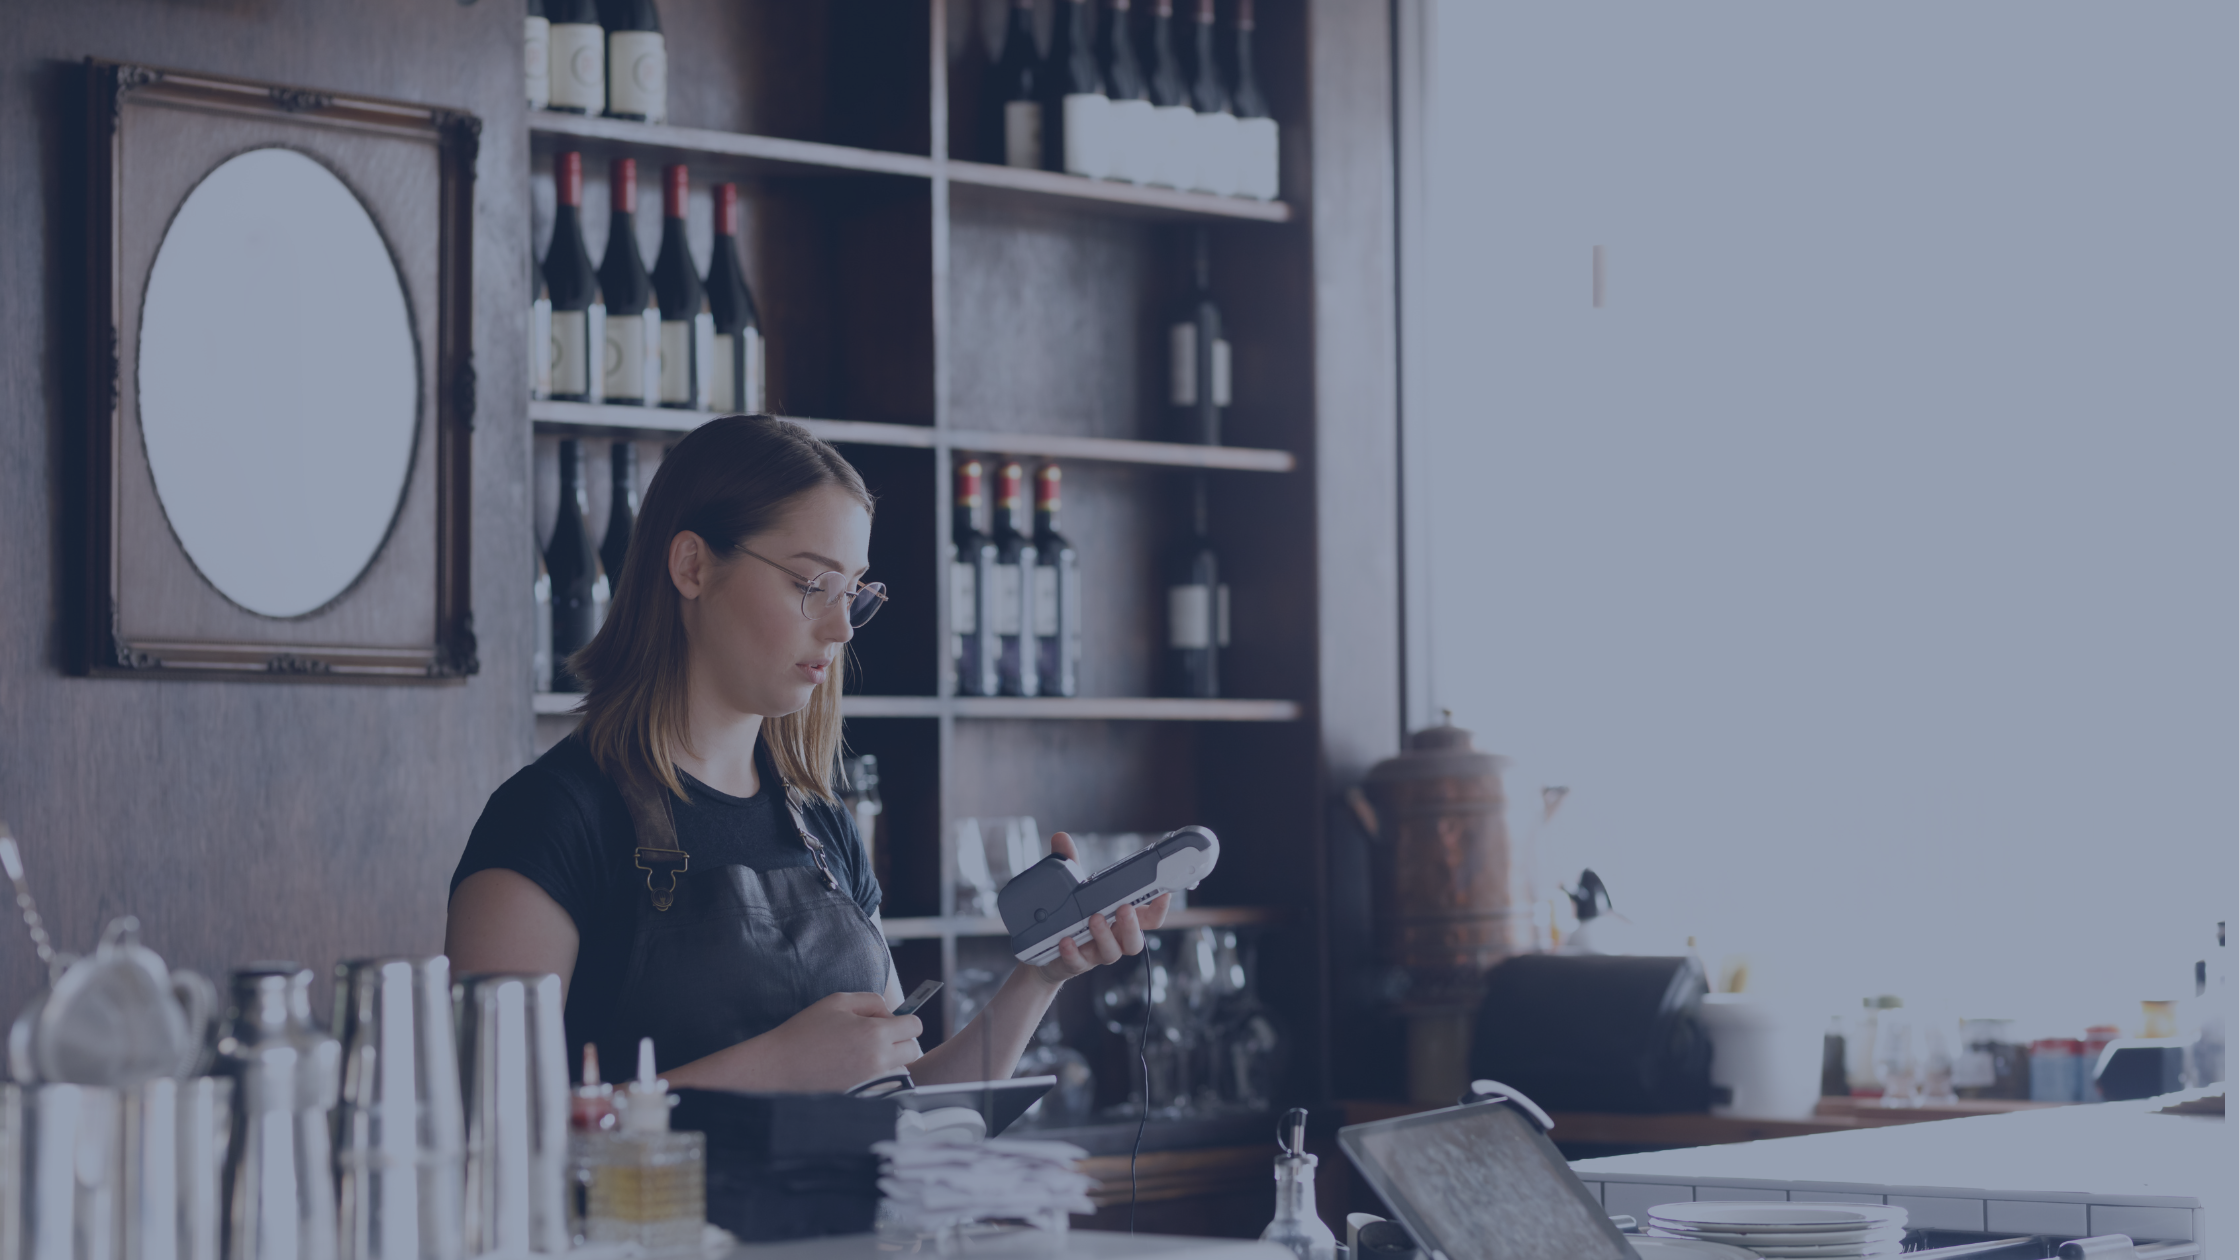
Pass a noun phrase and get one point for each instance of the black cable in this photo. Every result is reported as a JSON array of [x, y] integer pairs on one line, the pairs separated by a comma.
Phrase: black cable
[[1143, 1117]]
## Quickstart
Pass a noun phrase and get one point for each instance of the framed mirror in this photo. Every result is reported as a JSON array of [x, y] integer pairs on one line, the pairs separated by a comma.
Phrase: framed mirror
[[280, 381]]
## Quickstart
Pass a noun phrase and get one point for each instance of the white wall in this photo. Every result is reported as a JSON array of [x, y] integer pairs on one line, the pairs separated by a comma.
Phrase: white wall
[[1866, 564]]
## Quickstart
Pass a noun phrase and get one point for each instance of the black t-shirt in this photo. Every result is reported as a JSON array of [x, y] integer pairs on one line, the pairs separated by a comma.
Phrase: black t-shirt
[[561, 822]]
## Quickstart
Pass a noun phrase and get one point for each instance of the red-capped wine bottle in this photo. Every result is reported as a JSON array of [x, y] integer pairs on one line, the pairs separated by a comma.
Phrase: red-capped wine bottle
[[1257, 142], [1197, 607], [622, 509], [1013, 98], [688, 331], [1013, 604], [737, 381], [579, 589], [1132, 121], [536, 49], [1198, 357], [1217, 126], [578, 77], [972, 563], [1173, 151], [1076, 114], [633, 322], [1057, 593], [637, 62], [578, 348]]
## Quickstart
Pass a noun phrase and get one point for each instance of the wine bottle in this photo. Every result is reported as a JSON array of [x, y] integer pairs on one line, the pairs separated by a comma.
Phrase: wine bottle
[[1132, 118], [578, 345], [1198, 357], [1057, 593], [540, 661], [1076, 114], [1257, 143], [536, 47], [540, 330], [579, 57], [622, 509], [579, 590], [737, 380], [688, 331], [1217, 127], [1173, 152], [1197, 607], [972, 563], [637, 62], [633, 322], [1013, 93], [1014, 592]]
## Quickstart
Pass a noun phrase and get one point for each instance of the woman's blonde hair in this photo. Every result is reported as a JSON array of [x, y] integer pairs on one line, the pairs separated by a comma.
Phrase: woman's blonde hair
[[727, 481]]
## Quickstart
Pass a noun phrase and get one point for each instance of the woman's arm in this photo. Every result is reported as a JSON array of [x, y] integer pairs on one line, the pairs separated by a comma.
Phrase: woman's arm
[[501, 921], [989, 1047]]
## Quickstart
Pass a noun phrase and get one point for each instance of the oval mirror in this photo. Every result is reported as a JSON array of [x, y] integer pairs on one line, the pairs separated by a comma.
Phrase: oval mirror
[[278, 383]]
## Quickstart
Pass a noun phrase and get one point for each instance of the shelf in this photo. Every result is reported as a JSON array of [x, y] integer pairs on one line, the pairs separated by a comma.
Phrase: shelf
[[563, 704], [937, 926], [1125, 709], [606, 419], [764, 155], [1137, 200]]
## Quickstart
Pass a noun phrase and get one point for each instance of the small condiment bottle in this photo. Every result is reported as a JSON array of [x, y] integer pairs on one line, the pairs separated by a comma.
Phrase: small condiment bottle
[[643, 1183], [1296, 1225]]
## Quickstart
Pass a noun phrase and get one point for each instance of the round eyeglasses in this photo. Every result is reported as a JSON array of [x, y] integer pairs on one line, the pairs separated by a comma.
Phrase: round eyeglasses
[[828, 590]]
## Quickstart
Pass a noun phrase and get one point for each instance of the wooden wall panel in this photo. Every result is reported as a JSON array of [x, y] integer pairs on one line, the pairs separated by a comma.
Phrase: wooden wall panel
[[244, 820]]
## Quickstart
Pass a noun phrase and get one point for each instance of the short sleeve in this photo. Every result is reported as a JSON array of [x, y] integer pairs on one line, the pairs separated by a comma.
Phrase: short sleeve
[[536, 826]]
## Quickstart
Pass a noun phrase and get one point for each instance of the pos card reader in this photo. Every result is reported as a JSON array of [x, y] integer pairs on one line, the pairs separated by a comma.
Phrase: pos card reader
[[1053, 900]]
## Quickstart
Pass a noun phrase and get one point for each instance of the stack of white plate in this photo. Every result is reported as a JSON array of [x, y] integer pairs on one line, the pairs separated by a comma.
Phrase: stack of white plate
[[1788, 1231]]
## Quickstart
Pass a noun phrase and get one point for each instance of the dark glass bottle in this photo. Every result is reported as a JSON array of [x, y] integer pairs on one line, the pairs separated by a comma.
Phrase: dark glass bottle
[[736, 384], [972, 563], [637, 62], [622, 509], [633, 323], [1198, 357], [1014, 104], [1256, 131], [687, 331], [1217, 126], [1076, 114], [573, 289], [1197, 607], [578, 75], [1133, 123], [1013, 603], [1057, 593], [577, 584], [540, 329], [1172, 160]]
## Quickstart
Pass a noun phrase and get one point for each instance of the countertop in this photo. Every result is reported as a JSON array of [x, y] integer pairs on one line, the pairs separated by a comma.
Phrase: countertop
[[1079, 1244]]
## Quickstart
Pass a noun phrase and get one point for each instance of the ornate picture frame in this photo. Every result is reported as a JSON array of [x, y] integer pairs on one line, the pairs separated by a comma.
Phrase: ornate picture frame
[[153, 135]]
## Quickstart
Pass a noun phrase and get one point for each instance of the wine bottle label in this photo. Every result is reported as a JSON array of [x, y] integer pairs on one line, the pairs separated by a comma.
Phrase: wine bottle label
[[1217, 154], [1189, 617], [540, 348], [1220, 371], [536, 50], [1022, 133], [1258, 142], [964, 599], [752, 376], [1088, 134], [627, 359], [1182, 366], [680, 366], [1174, 148], [570, 354], [723, 385], [1008, 594], [638, 75], [1221, 615], [1133, 135], [1045, 600], [579, 66]]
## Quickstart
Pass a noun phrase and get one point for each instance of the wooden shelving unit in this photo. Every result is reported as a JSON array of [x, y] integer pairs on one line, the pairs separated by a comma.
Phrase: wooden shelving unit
[[920, 305]]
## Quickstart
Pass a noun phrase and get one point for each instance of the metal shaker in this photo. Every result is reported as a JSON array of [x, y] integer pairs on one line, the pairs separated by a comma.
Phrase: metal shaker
[[399, 1134], [73, 1173], [279, 1175], [514, 1070]]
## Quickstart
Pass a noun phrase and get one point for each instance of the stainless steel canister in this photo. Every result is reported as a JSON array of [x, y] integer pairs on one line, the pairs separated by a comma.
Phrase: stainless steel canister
[[279, 1172], [73, 1173], [514, 1068], [204, 1131], [399, 1134]]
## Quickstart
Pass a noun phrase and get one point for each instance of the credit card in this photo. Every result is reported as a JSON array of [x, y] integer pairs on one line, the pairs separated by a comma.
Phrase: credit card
[[918, 997]]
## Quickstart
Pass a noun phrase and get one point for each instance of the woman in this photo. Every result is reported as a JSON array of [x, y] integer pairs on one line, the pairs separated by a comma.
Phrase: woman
[[680, 859]]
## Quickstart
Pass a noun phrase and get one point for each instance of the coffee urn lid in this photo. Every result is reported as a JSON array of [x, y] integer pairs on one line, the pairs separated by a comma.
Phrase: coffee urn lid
[[1438, 752]]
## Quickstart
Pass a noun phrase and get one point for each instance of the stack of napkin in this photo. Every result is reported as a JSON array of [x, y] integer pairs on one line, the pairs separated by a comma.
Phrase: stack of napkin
[[936, 1181]]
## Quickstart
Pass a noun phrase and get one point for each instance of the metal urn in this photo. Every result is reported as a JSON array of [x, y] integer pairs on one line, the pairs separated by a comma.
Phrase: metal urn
[[1445, 912]]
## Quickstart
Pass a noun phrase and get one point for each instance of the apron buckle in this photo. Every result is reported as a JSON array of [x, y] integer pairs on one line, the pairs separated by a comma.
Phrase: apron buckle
[[663, 862]]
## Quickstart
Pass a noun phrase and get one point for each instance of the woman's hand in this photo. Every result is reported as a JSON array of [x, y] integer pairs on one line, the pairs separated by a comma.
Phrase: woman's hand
[[832, 1044], [1108, 942]]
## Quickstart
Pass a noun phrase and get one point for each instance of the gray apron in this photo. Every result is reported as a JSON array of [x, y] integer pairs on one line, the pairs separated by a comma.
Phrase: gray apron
[[728, 953]]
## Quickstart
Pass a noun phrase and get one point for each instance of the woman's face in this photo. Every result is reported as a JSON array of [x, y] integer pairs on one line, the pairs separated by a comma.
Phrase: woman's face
[[751, 649]]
